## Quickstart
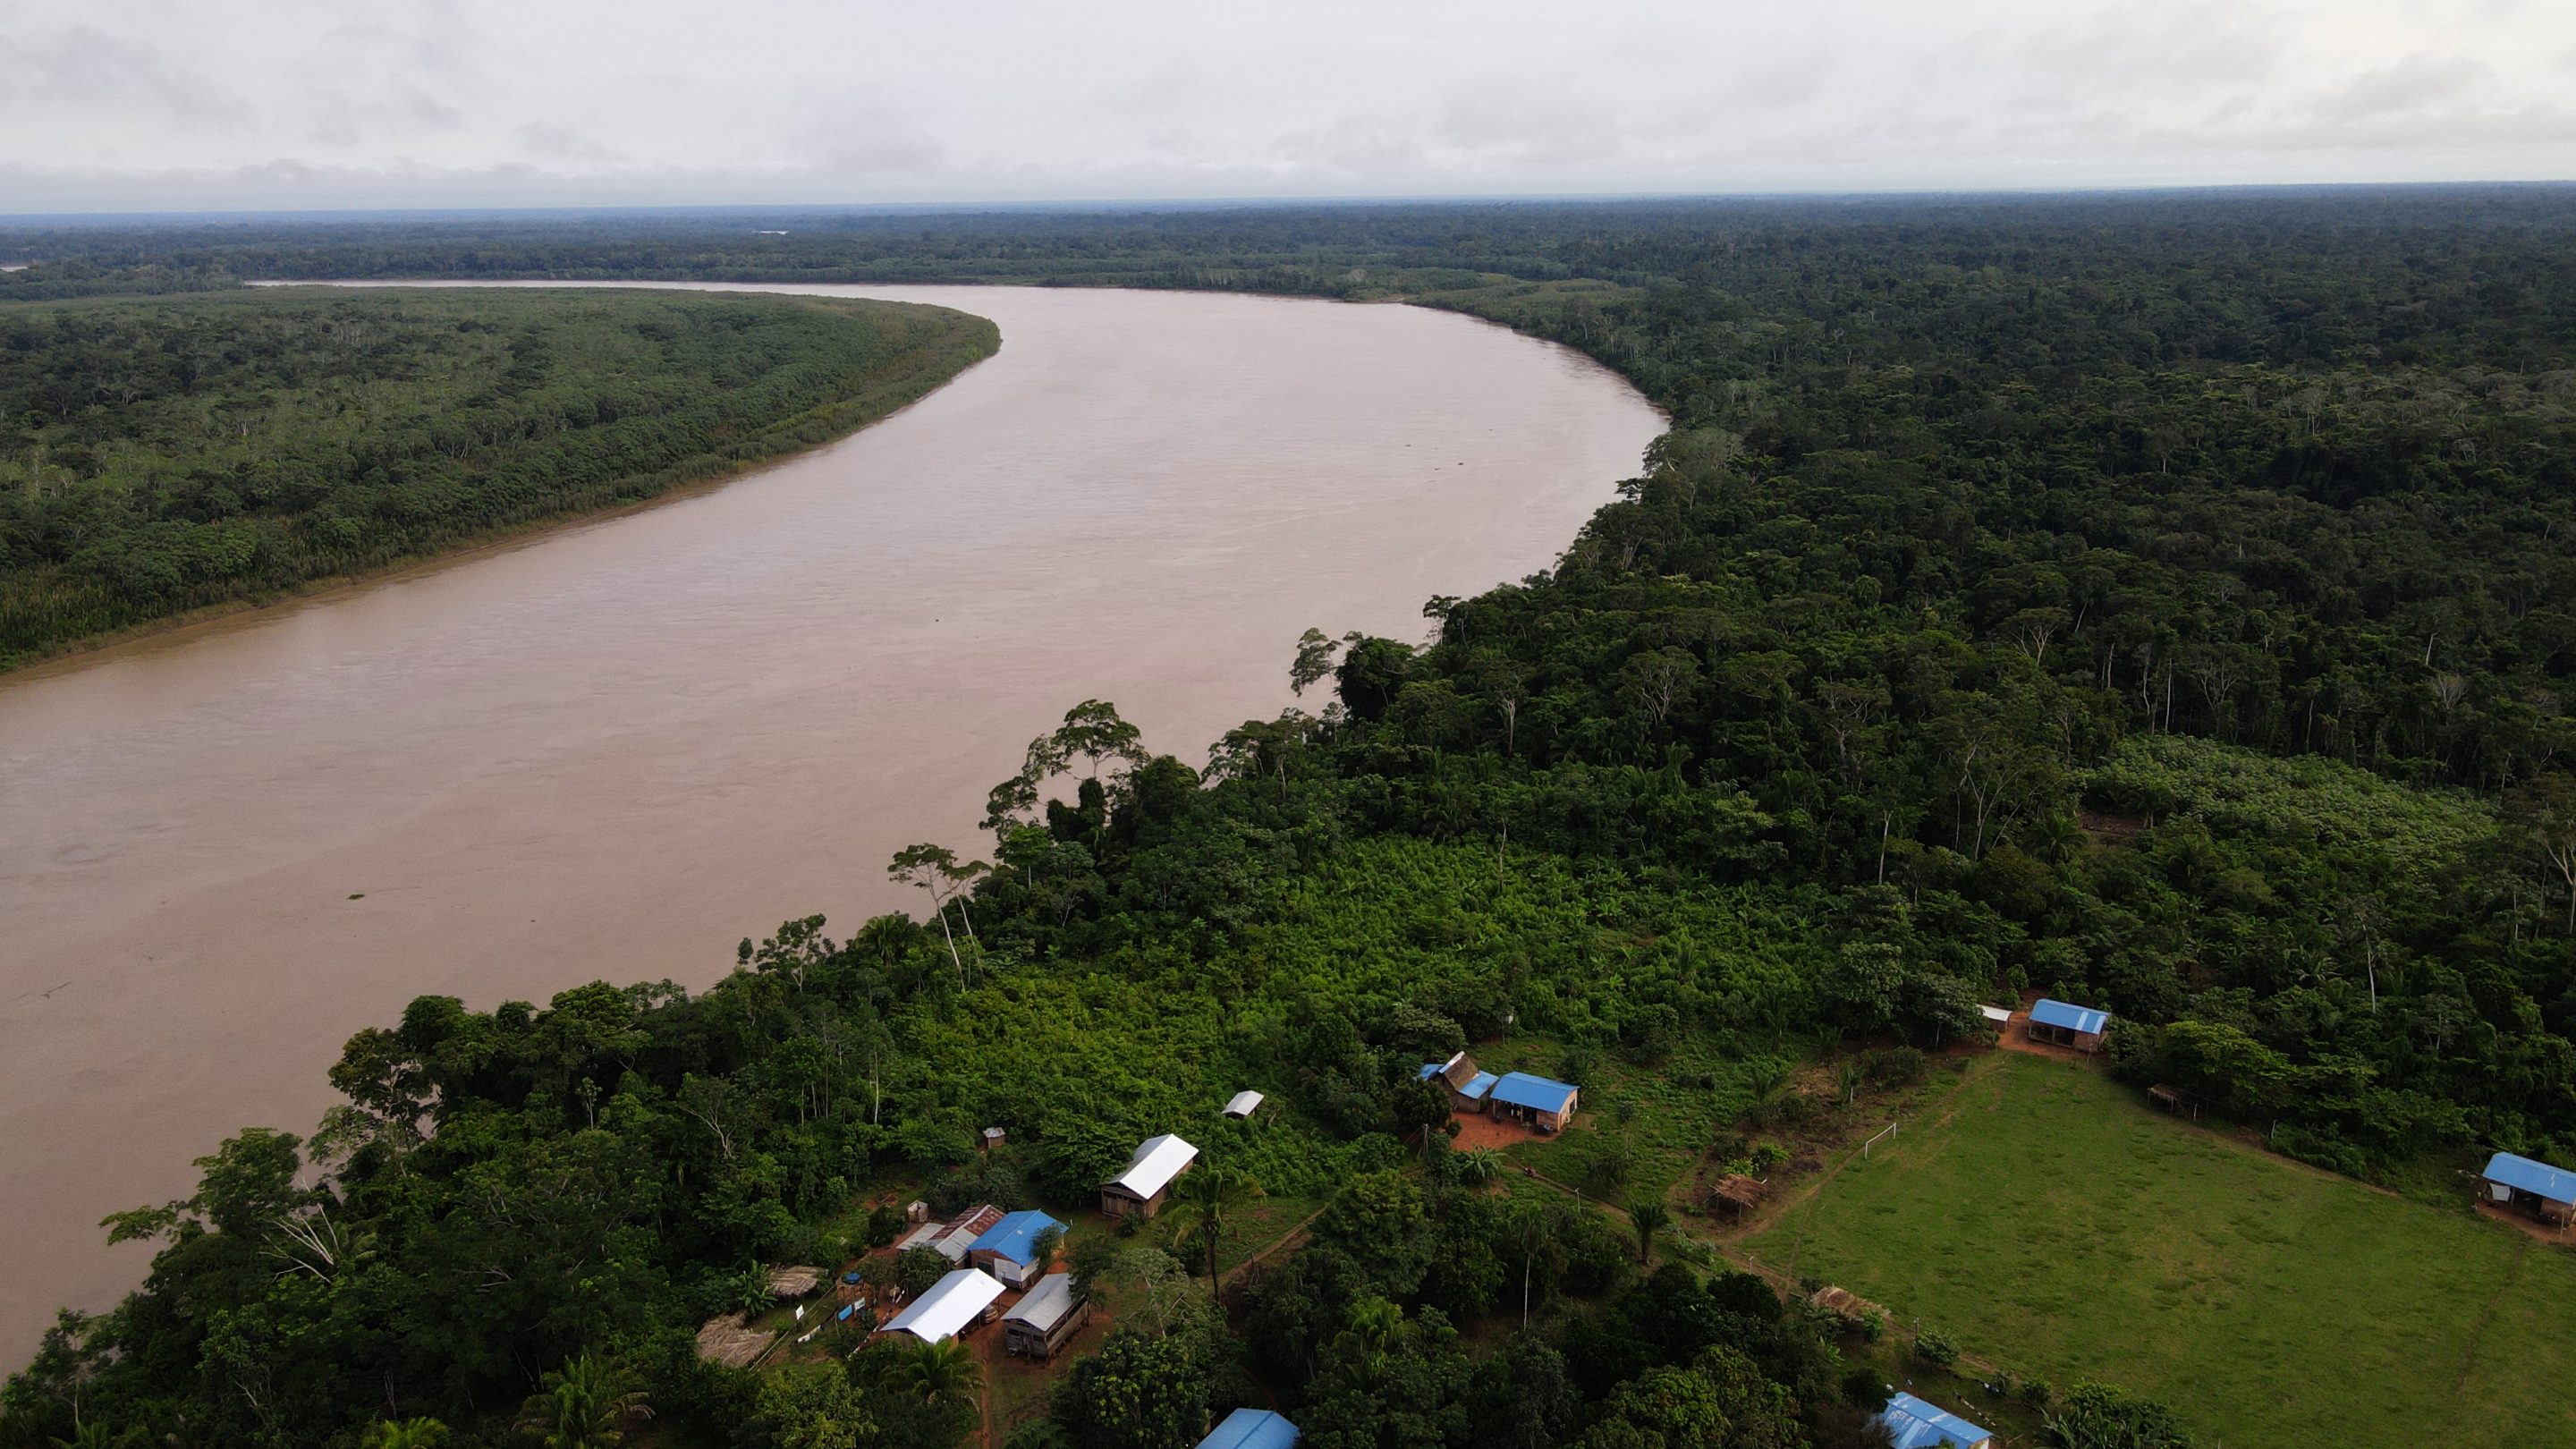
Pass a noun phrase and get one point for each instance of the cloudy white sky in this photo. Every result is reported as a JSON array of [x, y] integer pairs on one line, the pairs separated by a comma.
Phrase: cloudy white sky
[[192, 104]]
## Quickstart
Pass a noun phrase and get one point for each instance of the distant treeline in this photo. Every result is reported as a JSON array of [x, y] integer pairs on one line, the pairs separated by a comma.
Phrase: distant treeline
[[160, 455]]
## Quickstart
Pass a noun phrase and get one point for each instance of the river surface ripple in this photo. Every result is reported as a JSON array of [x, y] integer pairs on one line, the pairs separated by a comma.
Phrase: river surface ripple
[[613, 750]]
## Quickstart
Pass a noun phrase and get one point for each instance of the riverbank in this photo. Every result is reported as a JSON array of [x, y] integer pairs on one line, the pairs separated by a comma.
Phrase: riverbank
[[611, 749], [349, 437]]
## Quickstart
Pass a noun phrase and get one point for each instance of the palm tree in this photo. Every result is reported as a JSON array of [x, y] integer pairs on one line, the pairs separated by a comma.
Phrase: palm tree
[[1530, 1229], [1647, 1218], [940, 1373], [404, 1434], [1480, 1165], [581, 1406], [1206, 1197]]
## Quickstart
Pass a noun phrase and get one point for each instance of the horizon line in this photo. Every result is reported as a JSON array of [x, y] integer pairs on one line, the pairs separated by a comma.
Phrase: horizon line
[[1247, 203]]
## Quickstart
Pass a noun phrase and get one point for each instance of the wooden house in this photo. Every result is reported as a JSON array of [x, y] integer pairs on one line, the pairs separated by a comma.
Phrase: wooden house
[[1139, 1190], [1468, 1085], [1544, 1104], [1046, 1320]]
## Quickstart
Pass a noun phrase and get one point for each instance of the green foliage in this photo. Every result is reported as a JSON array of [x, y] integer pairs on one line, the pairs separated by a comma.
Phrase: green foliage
[[2156, 601], [2098, 1416], [583, 1405], [812, 1406], [1138, 1392], [1934, 1349], [161, 456]]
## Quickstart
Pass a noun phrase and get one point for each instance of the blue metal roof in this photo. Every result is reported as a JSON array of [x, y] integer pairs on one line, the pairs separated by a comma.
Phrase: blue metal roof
[[2073, 1018], [1479, 1084], [1920, 1425], [1251, 1429], [1016, 1235], [2537, 1178], [1429, 1070], [1538, 1094]]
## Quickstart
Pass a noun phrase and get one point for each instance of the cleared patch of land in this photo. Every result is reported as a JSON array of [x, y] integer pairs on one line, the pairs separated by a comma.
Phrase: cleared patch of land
[[2047, 1221]]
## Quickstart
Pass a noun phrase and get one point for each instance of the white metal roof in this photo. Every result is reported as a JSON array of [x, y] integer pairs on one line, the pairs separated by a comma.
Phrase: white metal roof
[[1995, 1014], [1244, 1104], [920, 1237], [949, 1305], [1157, 1161], [1046, 1304]]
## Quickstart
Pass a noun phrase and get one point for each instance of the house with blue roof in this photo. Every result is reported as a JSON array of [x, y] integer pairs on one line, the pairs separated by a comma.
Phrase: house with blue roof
[[1251, 1429], [2059, 1023], [1008, 1249], [1468, 1084], [1917, 1424], [2547, 1193], [1542, 1103]]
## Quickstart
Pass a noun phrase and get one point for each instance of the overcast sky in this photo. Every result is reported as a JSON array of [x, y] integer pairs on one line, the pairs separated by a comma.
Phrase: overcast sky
[[193, 104]]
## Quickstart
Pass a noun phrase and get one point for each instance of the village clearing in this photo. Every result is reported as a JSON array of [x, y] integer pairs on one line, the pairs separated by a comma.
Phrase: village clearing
[[2047, 1221]]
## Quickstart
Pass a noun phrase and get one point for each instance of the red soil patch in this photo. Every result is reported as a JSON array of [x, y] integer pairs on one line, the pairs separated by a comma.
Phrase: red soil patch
[[1477, 1129]]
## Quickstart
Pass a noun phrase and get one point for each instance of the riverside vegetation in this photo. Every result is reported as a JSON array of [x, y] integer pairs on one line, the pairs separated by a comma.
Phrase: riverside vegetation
[[2157, 601], [160, 455]]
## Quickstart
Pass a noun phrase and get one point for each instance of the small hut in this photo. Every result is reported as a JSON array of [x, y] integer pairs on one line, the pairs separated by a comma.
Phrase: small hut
[[794, 1282], [1468, 1084], [2177, 1101], [1046, 1319], [1544, 1104], [2059, 1023], [2545, 1192], [1914, 1423], [1853, 1311], [1009, 1248], [1138, 1191], [1737, 1195], [1243, 1104]]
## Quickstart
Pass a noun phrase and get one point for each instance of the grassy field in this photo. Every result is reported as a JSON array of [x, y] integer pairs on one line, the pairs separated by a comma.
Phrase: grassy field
[[2047, 1221]]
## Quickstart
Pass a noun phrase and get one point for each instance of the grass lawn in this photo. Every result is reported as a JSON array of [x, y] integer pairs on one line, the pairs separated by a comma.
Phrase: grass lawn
[[2049, 1222]]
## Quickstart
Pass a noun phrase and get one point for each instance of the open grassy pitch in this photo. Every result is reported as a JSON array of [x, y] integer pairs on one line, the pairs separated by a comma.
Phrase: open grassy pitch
[[2050, 1223]]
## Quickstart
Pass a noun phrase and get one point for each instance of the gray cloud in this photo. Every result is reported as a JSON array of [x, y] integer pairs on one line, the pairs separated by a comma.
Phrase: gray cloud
[[257, 103]]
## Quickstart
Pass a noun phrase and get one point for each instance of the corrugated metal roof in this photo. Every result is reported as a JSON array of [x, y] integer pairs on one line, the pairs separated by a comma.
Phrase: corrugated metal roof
[[1157, 1161], [2537, 1178], [1478, 1085], [1995, 1014], [920, 1237], [1538, 1094], [1046, 1304], [947, 1306], [2073, 1018], [1920, 1425], [1251, 1429], [1243, 1104], [1015, 1237]]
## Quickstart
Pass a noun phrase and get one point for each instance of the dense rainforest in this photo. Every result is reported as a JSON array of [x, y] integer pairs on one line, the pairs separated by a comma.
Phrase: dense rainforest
[[164, 454], [2162, 601]]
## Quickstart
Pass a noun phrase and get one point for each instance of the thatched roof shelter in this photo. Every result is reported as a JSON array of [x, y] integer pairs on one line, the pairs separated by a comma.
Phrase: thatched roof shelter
[[731, 1342], [1854, 1310], [794, 1282], [1738, 1193]]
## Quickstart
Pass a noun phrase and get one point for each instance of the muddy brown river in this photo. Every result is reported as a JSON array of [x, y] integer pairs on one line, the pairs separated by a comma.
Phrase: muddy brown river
[[615, 749]]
